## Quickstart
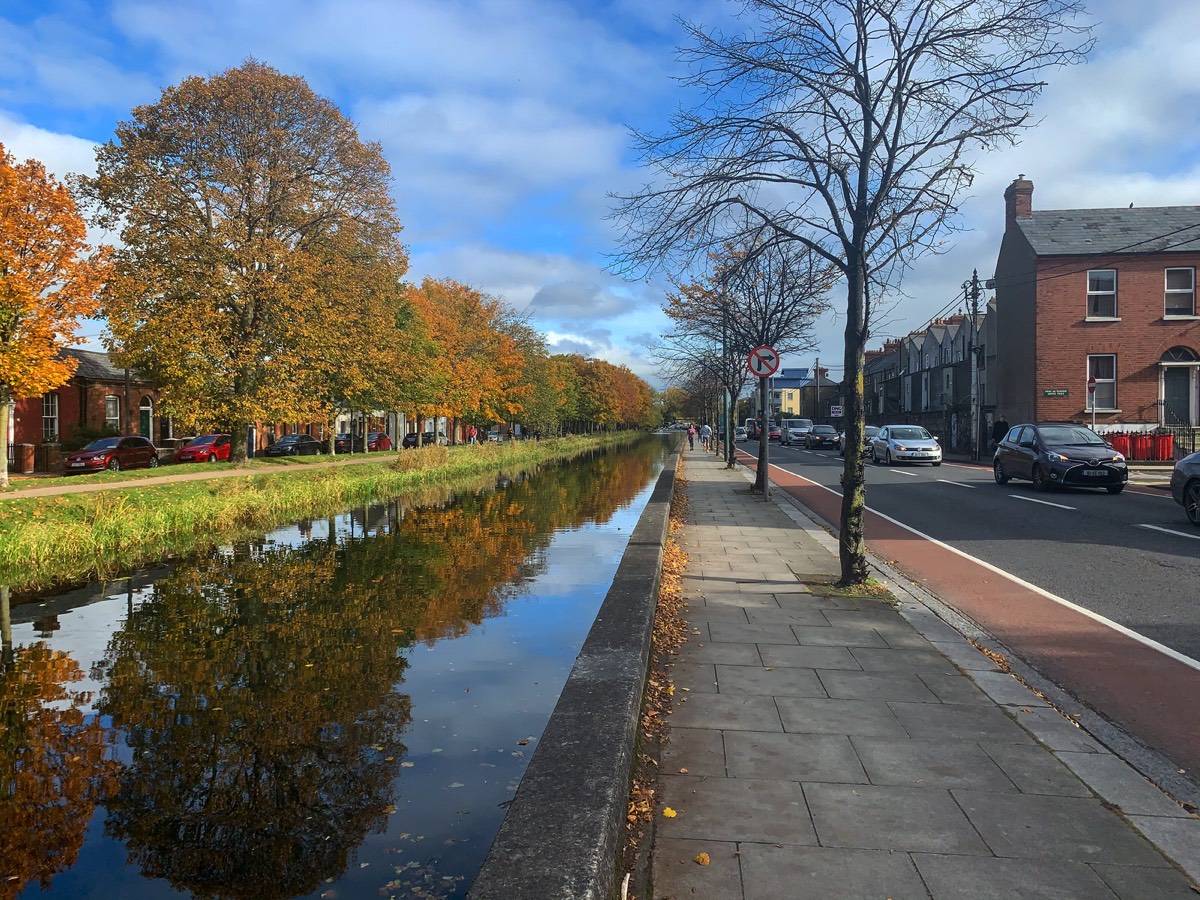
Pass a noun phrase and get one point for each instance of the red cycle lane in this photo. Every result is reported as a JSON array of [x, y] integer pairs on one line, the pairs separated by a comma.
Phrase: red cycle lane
[[1145, 690]]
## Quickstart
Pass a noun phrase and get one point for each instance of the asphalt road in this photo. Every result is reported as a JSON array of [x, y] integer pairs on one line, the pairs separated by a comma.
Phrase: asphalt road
[[1132, 558]]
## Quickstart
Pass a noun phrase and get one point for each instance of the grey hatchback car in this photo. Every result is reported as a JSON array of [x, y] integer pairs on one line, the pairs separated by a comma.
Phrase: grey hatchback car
[[1059, 454], [1185, 486]]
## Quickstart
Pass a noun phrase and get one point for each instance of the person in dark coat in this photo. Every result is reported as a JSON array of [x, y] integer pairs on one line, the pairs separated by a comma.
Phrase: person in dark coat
[[999, 430]]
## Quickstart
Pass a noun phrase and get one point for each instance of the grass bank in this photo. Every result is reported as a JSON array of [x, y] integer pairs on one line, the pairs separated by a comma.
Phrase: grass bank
[[69, 537]]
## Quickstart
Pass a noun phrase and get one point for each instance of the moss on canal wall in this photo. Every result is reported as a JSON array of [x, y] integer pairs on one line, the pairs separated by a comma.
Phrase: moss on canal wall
[[68, 537]]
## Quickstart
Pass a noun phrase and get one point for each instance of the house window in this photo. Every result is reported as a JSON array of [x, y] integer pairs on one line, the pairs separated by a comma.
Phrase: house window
[[50, 417], [112, 414], [1102, 294], [1104, 369], [1181, 292]]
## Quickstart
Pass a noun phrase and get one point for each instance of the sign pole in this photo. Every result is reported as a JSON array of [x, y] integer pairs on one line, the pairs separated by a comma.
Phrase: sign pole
[[1091, 385]]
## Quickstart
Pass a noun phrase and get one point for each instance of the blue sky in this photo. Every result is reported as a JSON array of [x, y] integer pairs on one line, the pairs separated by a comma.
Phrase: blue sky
[[505, 122]]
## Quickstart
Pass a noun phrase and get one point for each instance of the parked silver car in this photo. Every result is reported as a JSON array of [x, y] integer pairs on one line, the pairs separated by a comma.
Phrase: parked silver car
[[905, 443]]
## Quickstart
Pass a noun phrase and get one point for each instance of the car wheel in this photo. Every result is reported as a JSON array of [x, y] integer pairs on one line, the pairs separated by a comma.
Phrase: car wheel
[[887, 456], [114, 465], [212, 457], [1191, 502], [1038, 477], [154, 462], [874, 457], [998, 472], [1115, 488]]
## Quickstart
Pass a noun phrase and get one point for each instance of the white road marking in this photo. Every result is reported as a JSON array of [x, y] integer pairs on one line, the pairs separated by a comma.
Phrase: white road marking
[[1194, 537], [958, 483], [1041, 592], [1043, 502], [900, 472]]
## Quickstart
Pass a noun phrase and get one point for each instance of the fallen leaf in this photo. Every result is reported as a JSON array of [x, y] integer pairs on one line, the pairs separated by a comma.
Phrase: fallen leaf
[[702, 858], [683, 771], [669, 813]]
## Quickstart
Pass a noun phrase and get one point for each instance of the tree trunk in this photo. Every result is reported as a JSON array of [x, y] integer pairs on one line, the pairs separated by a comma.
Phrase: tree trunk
[[5, 399], [239, 434], [854, 492]]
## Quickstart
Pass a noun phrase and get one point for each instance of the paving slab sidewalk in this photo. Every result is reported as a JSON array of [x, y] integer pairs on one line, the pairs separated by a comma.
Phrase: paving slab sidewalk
[[833, 746]]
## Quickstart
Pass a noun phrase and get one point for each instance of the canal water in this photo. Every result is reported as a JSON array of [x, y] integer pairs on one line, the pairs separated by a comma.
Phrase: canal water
[[342, 708]]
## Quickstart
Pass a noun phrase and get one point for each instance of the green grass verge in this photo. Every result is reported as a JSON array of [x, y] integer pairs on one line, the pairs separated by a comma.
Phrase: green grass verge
[[68, 537]]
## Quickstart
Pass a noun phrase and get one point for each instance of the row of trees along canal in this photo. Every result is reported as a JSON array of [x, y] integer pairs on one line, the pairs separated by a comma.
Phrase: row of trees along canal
[[259, 277], [831, 140]]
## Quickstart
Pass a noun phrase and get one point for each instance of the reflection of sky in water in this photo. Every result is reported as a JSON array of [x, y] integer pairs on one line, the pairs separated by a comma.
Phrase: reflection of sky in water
[[474, 698]]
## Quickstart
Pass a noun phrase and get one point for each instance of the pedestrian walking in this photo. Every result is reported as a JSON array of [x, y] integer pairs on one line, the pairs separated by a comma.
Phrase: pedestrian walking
[[705, 436], [691, 433], [999, 430]]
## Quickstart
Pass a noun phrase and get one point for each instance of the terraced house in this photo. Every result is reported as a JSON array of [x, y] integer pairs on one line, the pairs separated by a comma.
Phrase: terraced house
[[1099, 298]]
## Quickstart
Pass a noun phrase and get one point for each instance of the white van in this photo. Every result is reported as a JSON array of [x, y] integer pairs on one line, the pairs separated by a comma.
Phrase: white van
[[794, 430]]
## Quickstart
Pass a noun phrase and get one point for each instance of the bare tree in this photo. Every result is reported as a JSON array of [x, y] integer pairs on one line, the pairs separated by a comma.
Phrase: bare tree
[[852, 128], [756, 294]]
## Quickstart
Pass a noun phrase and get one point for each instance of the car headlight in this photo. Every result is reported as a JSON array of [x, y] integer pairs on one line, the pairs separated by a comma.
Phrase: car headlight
[[1118, 458], [1056, 457], [900, 447]]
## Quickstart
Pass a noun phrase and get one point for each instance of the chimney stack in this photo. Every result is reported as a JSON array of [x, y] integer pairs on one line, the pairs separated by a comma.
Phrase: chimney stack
[[1018, 201]]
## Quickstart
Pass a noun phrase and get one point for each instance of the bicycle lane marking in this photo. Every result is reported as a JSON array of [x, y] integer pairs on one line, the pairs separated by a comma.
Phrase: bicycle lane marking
[[1149, 689]]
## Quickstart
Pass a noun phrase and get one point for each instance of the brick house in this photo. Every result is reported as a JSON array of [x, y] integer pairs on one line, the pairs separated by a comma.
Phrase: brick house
[[1108, 294], [98, 397]]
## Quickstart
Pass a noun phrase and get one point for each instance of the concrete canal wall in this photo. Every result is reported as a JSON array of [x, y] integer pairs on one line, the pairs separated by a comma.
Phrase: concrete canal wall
[[561, 837]]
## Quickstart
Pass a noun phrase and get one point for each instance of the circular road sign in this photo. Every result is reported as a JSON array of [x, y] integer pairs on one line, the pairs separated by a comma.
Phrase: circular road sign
[[763, 361], [1091, 384]]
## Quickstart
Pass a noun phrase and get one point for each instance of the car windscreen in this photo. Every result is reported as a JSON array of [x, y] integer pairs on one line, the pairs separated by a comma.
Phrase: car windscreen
[[107, 443], [203, 440], [824, 429], [1059, 435], [871, 430], [909, 434]]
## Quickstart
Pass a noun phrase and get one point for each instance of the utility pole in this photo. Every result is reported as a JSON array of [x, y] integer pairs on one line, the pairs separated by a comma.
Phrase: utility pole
[[817, 393], [973, 353]]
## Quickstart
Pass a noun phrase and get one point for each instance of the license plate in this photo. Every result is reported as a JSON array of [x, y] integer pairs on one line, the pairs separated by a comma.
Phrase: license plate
[[1094, 473], [76, 465]]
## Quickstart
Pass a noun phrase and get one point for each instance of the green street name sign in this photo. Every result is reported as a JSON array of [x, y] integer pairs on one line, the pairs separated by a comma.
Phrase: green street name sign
[[1054, 392]]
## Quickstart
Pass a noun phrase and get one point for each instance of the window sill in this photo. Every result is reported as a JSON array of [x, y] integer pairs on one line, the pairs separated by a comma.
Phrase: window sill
[[1100, 410], [1181, 318], [1102, 319]]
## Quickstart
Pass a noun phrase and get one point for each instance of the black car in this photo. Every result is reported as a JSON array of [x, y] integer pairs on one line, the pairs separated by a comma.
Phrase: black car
[[1185, 486], [426, 437], [1059, 454], [345, 442], [822, 436], [295, 445]]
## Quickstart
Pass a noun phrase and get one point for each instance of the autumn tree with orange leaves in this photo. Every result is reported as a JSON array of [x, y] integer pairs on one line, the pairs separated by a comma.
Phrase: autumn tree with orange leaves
[[247, 207], [480, 368], [49, 280]]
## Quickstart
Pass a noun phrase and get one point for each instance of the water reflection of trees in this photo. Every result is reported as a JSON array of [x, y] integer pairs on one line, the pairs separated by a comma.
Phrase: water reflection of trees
[[54, 763], [258, 686]]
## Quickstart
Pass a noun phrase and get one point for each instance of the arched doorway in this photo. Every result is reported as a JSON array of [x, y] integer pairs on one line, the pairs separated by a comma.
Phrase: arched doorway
[[146, 417], [1178, 369]]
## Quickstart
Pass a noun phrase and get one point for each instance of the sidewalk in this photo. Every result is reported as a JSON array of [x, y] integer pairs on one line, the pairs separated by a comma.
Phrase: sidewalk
[[842, 747]]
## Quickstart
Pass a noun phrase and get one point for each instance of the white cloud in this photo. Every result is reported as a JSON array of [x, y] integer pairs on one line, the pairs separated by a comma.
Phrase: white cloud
[[61, 154]]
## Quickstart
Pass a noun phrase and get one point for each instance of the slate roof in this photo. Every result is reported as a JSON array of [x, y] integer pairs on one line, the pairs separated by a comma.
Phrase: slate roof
[[95, 366], [1151, 229]]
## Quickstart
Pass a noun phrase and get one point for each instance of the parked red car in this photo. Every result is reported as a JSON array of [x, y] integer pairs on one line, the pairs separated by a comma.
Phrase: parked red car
[[205, 448], [377, 440], [113, 453]]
